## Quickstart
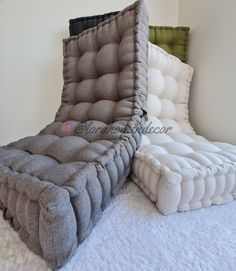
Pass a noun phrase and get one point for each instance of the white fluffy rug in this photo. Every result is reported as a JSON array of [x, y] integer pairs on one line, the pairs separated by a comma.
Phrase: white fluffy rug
[[132, 235]]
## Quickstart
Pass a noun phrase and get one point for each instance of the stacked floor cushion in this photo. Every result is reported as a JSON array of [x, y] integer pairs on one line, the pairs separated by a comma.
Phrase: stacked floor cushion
[[55, 185], [176, 168], [80, 24], [174, 40]]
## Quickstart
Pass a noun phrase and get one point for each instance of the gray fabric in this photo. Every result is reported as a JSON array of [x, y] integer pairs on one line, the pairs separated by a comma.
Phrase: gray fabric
[[55, 185]]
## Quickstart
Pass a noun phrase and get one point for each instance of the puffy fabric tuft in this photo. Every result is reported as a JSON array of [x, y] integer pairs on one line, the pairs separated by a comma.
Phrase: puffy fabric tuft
[[55, 185], [176, 168]]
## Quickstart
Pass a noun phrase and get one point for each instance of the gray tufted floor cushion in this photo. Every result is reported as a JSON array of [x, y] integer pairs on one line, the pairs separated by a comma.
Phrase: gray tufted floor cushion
[[55, 185]]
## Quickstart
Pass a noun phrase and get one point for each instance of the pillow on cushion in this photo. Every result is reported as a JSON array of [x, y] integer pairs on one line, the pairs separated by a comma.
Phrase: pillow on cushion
[[78, 25], [173, 40], [168, 91]]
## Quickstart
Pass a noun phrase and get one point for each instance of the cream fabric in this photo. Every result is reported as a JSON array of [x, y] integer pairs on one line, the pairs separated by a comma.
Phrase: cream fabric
[[178, 169]]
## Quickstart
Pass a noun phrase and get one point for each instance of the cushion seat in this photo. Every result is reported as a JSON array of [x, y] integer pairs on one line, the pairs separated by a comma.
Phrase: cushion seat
[[55, 185], [52, 203], [199, 176], [176, 168]]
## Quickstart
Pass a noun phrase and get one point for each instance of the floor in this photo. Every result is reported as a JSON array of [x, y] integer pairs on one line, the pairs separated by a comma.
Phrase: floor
[[132, 235]]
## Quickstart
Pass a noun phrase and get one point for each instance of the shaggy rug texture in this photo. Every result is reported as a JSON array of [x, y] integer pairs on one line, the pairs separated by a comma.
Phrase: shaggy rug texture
[[132, 235]]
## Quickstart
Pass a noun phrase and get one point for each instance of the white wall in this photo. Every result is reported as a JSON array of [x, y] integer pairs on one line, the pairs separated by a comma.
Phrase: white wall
[[212, 53], [31, 56]]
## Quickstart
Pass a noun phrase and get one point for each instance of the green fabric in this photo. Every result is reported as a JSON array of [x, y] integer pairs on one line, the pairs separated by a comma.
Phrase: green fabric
[[174, 40]]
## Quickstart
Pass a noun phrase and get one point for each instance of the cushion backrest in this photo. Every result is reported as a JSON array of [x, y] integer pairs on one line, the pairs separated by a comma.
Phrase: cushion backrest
[[168, 91], [174, 40], [105, 78]]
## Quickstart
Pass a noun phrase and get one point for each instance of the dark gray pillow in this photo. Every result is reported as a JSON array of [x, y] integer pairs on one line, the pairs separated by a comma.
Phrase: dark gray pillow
[[80, 24]]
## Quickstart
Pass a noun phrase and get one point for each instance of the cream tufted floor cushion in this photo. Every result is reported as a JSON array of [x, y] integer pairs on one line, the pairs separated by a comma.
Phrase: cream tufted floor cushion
[[176, 168]]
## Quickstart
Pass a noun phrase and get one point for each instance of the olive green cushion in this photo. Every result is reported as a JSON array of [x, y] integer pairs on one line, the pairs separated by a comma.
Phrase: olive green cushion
[[174, 40]]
